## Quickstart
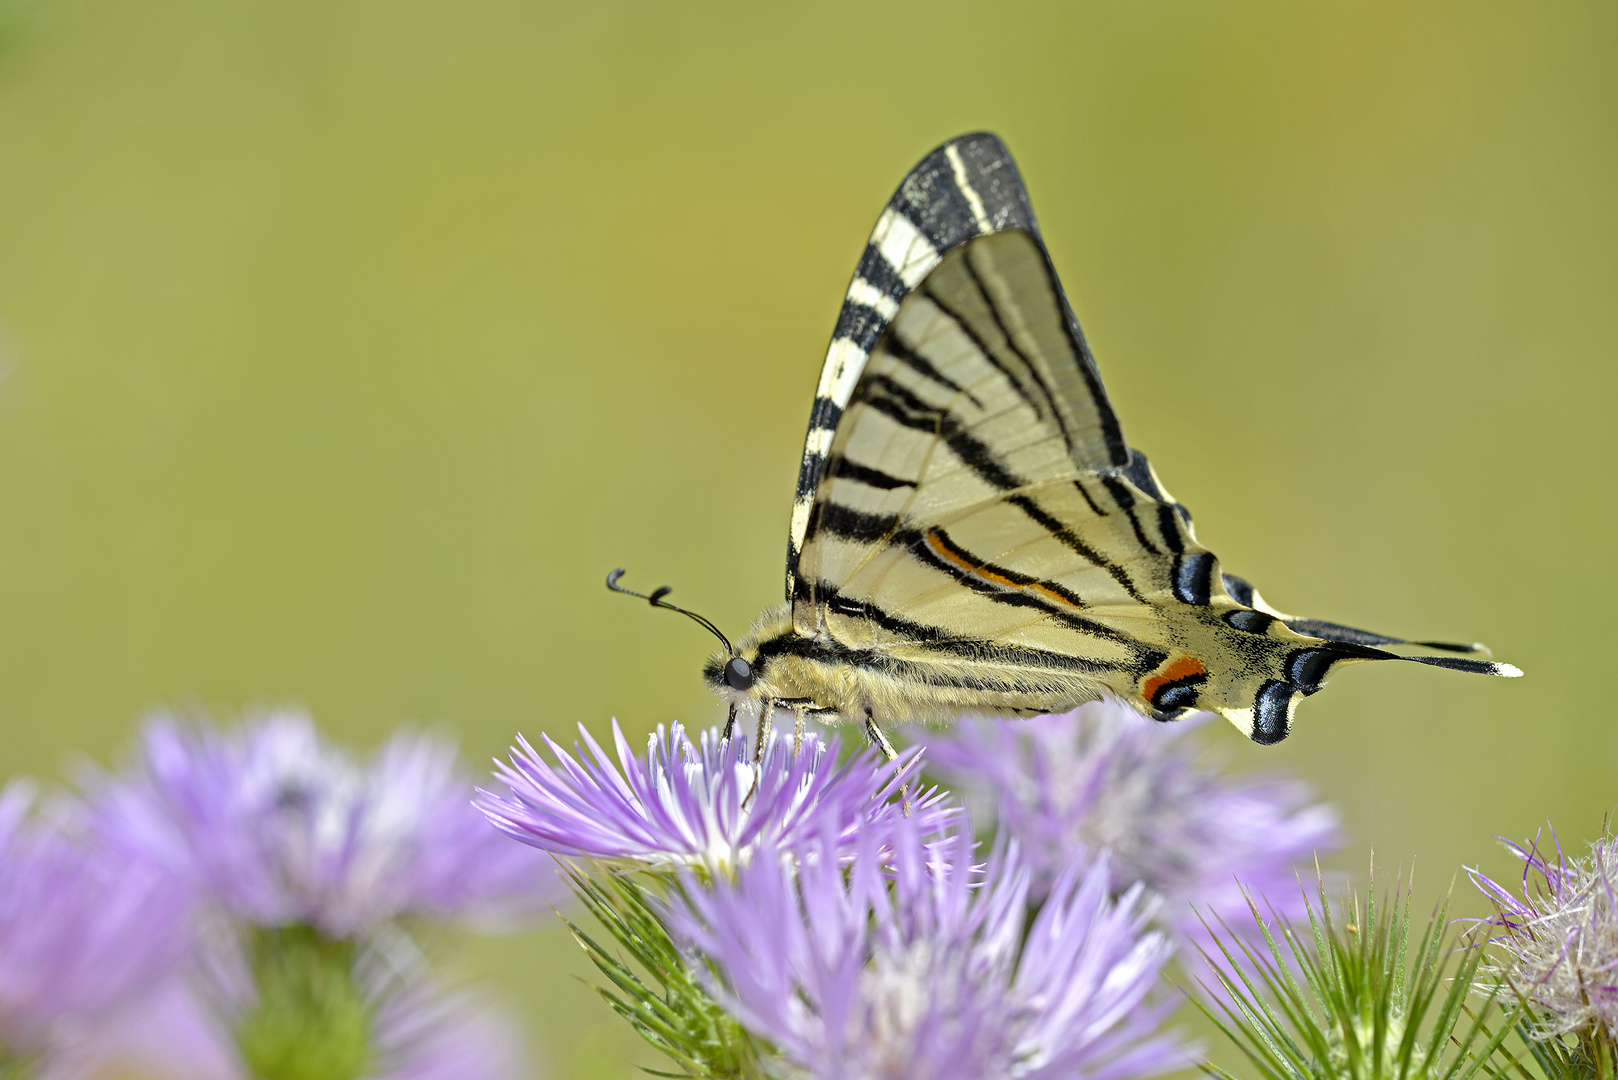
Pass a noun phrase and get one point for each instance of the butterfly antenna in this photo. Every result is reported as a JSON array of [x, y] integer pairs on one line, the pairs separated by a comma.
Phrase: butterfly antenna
[[656, 600]]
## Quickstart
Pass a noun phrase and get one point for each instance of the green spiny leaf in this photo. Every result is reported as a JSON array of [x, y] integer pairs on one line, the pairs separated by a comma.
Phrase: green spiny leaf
[[664, 1000], [1356, 997]]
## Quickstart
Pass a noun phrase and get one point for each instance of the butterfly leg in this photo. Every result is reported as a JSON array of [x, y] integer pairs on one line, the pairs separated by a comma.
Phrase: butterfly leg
[[758, 748], [880, 741], [797, 731], [763, 730], [730, 724]]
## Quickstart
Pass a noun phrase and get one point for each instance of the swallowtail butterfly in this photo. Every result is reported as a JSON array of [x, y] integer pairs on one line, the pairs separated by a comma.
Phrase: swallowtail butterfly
[[973, 534]]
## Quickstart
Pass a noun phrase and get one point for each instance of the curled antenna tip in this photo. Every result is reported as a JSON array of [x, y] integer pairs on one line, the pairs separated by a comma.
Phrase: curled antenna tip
[[656, 600]]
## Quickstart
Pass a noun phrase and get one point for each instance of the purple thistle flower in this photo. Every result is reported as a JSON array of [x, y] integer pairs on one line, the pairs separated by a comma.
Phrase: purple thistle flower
[[913, 964], [1103, 777], [279, 827], [700, 804], [83, 931], [1560, 937]]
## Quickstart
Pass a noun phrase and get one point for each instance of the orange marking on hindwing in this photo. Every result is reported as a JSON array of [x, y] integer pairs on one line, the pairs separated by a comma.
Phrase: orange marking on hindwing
[[1180, 668], [1051, 594]]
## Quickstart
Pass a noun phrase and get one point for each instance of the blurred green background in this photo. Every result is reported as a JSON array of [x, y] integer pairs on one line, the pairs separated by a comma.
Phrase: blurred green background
[[348, 344]]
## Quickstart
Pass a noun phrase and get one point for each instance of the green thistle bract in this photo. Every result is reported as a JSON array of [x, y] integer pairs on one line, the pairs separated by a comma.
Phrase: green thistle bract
[[677, 1015], [311, 1020], [1352, 997]]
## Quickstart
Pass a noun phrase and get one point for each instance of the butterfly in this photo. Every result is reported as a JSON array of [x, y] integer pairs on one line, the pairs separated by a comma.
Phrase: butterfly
[[971, 532]]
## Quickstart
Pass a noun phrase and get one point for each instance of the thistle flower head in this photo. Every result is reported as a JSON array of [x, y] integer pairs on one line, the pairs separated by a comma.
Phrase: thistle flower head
[[1560, 937], [913, 963], [700, 804], [280, 827], [1103, 777], [82, 930]]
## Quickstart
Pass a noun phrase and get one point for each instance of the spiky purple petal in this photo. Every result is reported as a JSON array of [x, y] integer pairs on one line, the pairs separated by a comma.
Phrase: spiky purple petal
[[1559, 938], [1103, 777], [278, 826], [698, 803], [911, 963]]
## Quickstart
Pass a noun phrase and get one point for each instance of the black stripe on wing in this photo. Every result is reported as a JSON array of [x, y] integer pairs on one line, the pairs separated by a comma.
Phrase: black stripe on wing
[[905, 408], [962, 189], [900, 350], [932, 196], [1038, 398], [880, 274], [934, 639], [1331, 631], [935, 548], [1076, 544], [844, 469], [1027, 363], [859, 323]]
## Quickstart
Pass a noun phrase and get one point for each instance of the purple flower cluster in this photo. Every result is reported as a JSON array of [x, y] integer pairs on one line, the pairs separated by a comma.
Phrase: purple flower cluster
[[83, 932], [140, 925], [1105, 778], [850, 930], [277, 826], [1560, 937], [701, 804], [180, 919], [914, 963]]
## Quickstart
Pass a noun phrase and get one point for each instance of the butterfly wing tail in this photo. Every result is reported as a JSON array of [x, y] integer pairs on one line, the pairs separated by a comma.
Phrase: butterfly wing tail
[[1330, 631], [1264, 708]]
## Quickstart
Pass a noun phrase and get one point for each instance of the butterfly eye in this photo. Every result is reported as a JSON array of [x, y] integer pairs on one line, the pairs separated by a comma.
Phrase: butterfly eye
[[739, 674]]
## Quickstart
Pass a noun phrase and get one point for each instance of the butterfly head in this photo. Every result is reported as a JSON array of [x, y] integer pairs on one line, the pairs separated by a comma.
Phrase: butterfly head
[[730, 676], [745, 672], [773, 664], [737, 674]]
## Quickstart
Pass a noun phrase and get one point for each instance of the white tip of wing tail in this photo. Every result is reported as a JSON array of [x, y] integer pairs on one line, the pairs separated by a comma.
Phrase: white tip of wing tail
[[1456, 663]]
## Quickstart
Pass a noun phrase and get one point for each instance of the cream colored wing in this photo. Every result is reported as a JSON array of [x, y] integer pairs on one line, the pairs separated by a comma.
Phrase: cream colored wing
[[972, 531], [967, 188]]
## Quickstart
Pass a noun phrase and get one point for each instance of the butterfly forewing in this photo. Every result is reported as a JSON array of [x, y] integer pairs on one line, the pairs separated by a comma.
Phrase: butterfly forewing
[[976, 389]]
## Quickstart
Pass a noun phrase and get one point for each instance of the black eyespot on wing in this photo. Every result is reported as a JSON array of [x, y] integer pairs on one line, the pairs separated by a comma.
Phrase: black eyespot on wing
[[1176, 696], [1140, 474], [1307, 668], [739, 674], [1179, 695], [1253, 622], [1270, 707], [1240, 589], [1193, 578]]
